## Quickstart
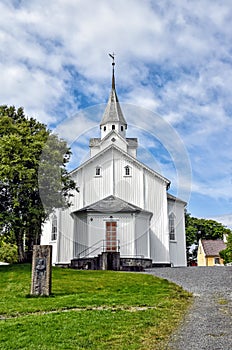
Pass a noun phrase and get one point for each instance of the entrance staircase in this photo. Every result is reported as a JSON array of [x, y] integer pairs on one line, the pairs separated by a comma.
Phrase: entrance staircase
[[103, 255]]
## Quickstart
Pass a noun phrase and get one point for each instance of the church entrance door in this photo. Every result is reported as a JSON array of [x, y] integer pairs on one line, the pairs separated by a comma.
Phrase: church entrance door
[[111, 236]]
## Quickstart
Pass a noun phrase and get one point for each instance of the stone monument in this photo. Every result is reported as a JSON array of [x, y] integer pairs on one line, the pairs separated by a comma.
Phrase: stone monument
[[41, 270]]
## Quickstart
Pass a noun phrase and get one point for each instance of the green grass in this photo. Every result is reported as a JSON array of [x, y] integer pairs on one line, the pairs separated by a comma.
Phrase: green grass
[[88, 310]]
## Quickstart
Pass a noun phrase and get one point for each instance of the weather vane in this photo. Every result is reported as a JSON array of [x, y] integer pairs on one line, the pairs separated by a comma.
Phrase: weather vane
[[112, 56]]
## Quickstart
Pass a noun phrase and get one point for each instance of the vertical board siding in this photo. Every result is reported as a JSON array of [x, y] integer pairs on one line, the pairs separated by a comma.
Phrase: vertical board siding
[[129, 188], [141, 236], [65, 237], [177, 248], [96, 227], [126, 235], [94, 188], [80, 236], [156, 202]]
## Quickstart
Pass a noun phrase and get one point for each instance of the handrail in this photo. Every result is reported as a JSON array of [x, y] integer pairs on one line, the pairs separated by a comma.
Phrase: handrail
[[133, 256], [106, 245], [88, 248], [92, 251]]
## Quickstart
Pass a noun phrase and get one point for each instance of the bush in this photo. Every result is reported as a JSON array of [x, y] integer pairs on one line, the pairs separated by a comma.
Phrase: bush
[[8, 252]]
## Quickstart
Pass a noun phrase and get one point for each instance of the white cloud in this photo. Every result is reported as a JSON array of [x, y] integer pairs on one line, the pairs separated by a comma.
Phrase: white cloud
[[171, 57], [224, 219]]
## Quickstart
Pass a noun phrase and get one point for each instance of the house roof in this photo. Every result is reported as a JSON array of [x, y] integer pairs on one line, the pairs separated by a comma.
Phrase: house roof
[[112, 204], [212, 247]]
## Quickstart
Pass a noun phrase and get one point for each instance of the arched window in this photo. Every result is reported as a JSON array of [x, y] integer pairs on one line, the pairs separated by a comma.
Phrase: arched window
[[98, 171], [127, 170], [104, 128], [54, 228], [113, 127], [121, 128], [172, 229]]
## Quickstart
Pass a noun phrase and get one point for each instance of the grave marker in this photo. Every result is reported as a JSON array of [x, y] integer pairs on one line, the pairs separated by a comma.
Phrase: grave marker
[[41, 270]]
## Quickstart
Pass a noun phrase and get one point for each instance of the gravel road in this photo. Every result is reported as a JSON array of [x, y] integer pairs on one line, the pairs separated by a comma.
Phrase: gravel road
[[208, 324]]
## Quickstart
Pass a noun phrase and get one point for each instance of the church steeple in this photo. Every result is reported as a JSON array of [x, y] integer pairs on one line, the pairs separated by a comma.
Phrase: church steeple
[[113, 78], [113, 118]]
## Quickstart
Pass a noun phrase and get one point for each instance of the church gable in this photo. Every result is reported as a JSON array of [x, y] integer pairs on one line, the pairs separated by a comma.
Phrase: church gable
[[114, 172], [128, 158], [97, 145], [128, 145]]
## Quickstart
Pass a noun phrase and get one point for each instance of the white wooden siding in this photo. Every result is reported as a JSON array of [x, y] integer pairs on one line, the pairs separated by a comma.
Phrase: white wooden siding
[[65, 237], [178, 247], [80, 236], [142, 247], [129, 188], [142, 188]]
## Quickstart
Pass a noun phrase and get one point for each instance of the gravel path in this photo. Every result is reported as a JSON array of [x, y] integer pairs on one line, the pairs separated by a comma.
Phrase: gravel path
[[208, 324]]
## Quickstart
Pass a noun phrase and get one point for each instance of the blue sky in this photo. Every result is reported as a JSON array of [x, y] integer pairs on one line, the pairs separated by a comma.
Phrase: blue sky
[[173, 78]]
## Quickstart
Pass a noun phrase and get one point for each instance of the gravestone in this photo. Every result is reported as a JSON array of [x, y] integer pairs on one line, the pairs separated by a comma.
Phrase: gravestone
[[41, 270]]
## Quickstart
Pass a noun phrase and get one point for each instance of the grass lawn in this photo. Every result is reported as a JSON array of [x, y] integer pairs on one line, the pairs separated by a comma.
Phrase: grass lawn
[[88, 310]]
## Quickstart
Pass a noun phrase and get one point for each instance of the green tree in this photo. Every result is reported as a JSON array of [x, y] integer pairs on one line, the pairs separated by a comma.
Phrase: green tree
[[196, 228], [33, 177], [226, 254]]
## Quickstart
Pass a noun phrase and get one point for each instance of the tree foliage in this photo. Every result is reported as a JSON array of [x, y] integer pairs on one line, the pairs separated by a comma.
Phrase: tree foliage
[[8, 252], [196, 228], [226, 254], [33, 177]]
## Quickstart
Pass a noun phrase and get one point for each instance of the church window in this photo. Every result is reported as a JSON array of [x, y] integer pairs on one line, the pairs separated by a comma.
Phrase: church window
[[104, 128], [113, 127], [121, 128], [54, 228], [98, 171], [172, 233], [127, 171]]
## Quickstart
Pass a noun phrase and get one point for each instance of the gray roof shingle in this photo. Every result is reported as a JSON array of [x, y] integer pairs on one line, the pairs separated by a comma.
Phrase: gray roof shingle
[[212, 247], [113, 112]]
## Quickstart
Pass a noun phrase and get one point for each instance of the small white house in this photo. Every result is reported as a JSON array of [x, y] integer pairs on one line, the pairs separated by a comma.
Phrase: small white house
[[122, 205]]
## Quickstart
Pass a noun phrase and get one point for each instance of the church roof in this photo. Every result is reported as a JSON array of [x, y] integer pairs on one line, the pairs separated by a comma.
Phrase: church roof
[[113, 112], [175, 199], [112, 204], [132, 141]]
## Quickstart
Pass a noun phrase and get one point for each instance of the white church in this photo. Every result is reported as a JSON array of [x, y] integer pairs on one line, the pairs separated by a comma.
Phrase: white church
[[122, 216]]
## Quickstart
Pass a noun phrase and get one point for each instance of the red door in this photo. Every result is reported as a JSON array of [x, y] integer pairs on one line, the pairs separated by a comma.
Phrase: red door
[[111, 236]]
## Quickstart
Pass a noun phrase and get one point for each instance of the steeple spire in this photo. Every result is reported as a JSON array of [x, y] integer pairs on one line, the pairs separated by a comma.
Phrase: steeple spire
[[113, 118], [113, 64]]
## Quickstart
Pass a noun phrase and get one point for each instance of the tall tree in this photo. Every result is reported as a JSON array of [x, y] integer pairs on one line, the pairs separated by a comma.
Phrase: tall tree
[[196, 228], [28, 193]]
